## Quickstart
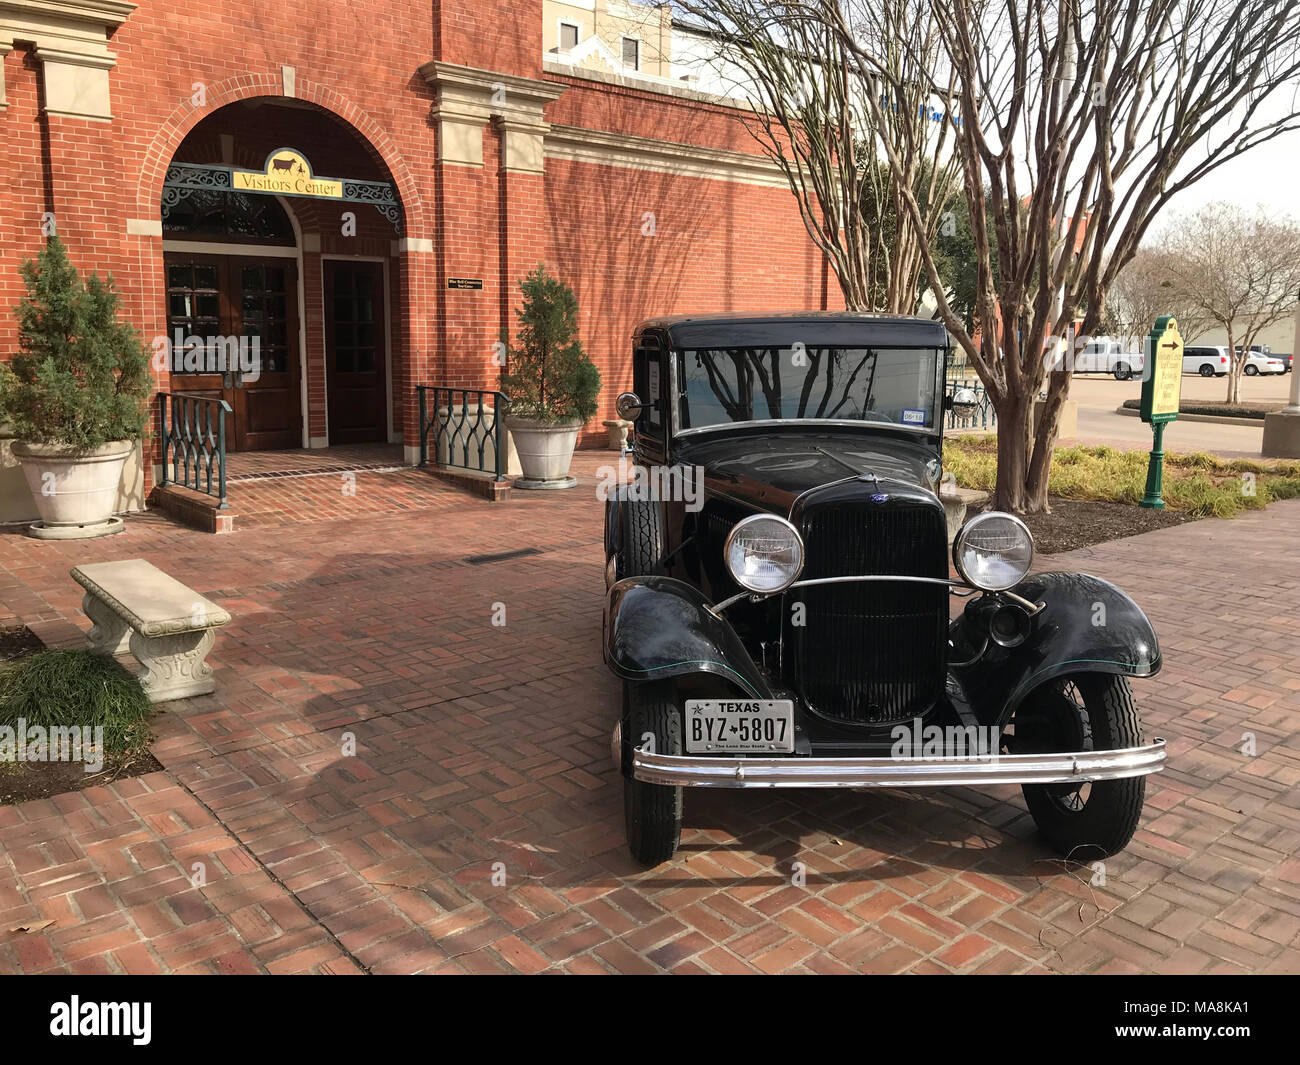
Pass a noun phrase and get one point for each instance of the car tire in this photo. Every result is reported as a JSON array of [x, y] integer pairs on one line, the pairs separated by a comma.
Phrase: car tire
[[1122, 371], [1251, 371], [1091, 711], [1207, 370], [641, 539], [652, 812]]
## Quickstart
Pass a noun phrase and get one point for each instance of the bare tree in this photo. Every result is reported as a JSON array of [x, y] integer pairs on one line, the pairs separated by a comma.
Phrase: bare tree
[[1240, 271], [1072, 125], [1142, 292], [811, 115]]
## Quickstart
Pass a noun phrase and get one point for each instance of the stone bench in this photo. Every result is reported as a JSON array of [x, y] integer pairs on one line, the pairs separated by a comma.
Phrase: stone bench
[[168, 627], [956, 502]]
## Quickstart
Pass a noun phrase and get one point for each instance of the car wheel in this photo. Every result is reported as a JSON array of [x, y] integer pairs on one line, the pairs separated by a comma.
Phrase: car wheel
[[652, 812], [1251, 371], [1091, 711], [1207, 370], [641, 544], [1122, 371]]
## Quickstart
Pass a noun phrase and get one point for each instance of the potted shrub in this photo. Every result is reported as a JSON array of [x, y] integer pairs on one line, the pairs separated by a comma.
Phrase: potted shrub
[[551, 382], [74, 396]]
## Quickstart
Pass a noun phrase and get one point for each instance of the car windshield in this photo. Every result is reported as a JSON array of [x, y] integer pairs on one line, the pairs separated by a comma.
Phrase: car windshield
[[898, 386]]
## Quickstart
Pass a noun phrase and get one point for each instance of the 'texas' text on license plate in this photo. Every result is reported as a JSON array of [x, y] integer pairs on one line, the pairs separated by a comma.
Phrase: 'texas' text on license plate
[[739, 725]]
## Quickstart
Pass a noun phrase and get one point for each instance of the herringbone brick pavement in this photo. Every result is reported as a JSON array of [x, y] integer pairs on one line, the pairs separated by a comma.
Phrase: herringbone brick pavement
[[405, 768]]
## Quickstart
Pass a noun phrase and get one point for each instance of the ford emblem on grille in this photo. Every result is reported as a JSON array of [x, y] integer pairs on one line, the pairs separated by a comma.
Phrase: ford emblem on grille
[[879, 497]]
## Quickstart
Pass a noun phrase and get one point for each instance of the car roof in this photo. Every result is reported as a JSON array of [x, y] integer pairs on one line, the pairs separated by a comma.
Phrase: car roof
[[783, 328]]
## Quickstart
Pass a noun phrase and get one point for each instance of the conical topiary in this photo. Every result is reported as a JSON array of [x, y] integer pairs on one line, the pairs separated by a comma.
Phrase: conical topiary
[[550, 377], [81, 377]]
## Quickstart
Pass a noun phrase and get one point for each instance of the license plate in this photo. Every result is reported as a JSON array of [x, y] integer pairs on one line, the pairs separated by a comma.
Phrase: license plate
[[739, 726]]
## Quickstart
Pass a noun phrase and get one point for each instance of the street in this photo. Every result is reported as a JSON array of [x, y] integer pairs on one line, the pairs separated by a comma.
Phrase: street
[[1098, 397]]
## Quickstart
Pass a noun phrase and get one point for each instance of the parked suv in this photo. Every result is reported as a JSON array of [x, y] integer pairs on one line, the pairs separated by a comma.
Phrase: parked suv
[[778, 592], [1106, 355], [1208, 361]]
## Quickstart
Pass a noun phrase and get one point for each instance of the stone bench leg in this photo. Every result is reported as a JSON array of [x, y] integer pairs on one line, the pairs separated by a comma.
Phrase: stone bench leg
[[175, 667], [109, 635]]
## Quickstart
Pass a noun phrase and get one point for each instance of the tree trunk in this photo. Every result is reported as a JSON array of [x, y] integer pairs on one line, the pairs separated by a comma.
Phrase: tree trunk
[[1013, 453], [1234, 382], [1234, 370], [1040, 459]]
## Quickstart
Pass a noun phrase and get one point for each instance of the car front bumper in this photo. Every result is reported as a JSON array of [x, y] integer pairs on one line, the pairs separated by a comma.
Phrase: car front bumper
[[791, 771]]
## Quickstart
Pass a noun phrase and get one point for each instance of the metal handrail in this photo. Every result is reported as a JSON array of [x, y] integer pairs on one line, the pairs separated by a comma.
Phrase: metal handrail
[[194, 443], [463, 424]]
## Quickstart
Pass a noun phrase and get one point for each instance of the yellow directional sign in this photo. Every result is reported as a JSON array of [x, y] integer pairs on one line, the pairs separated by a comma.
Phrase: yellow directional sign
[[1162, 380]]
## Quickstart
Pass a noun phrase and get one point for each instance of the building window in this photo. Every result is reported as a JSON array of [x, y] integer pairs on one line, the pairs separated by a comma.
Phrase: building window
[[632, 53], [222, 213], [568, 36]]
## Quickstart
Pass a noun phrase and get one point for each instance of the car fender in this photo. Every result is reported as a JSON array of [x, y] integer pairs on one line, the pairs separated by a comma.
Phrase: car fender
[[660, 627], [1086, 625]]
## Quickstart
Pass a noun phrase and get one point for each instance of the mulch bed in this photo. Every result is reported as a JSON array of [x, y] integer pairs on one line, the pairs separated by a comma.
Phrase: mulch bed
[[17, 640], [24, 781], [1075, 523]]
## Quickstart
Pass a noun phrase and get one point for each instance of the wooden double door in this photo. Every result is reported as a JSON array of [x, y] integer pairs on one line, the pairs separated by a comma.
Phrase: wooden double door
[[232, 323]]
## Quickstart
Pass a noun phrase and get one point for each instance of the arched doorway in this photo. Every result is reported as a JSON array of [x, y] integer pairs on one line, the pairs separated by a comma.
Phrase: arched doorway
[[232, 286], [285, 268]]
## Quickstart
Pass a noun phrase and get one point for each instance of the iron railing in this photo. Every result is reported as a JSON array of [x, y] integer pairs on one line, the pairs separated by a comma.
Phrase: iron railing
[[467, 426], [983, 417], [194, 443]]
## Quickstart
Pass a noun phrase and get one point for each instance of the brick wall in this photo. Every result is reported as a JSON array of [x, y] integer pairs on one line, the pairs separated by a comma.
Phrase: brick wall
[[183, 72]]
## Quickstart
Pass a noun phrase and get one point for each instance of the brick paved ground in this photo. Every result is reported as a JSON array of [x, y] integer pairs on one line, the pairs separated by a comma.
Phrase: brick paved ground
[[479, 744]]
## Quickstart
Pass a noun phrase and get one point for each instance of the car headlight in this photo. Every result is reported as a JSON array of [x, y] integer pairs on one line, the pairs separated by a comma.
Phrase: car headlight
[[764, 554], [993, 551]]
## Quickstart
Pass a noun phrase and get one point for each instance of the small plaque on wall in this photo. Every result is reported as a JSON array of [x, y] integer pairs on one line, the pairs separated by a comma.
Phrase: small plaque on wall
[[465, 282]]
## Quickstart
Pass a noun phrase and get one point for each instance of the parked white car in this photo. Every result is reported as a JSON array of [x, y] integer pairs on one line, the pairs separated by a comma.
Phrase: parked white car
[[1258, 362], [1107, 355], [1207, 360]]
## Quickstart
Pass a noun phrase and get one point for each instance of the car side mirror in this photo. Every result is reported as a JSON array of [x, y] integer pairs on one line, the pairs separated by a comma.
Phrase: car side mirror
[[963, 402], [629, 406]]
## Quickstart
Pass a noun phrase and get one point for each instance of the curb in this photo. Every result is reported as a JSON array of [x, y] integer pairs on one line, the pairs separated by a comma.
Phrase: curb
[[1214, 418]]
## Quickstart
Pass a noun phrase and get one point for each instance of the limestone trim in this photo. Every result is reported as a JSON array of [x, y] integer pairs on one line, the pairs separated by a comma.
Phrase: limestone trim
[[5, 49], [71, 42], [578, 145], [467, 97]]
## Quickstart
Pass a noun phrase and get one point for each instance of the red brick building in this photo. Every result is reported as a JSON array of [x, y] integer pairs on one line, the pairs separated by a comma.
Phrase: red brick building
[[442, 145]]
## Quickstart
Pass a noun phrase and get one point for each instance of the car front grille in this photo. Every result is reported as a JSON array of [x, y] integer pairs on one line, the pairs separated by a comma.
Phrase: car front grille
[[870, 652]]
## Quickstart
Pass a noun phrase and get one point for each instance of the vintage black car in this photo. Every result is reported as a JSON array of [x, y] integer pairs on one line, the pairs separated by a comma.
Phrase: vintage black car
[[779, 592]]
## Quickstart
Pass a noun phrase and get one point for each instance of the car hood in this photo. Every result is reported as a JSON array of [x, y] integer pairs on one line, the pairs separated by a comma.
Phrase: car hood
[[769, 470]]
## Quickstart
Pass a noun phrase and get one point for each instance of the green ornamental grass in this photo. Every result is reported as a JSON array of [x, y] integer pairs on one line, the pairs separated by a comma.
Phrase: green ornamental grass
[[1199, 484], [76, 688]]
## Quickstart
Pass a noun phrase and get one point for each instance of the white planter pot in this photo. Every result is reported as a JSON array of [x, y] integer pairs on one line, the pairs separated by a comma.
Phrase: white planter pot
[[74, 491], [545, 449]]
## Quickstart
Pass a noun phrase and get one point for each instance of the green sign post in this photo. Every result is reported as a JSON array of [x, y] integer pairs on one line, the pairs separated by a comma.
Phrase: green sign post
[[1162, 388]]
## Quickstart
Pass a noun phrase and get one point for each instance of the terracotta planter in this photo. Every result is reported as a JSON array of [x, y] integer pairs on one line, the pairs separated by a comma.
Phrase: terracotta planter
[[74, 491], [545, 450]]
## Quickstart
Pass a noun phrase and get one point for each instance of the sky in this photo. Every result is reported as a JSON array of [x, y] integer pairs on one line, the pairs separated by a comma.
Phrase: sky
[[1265, 175]]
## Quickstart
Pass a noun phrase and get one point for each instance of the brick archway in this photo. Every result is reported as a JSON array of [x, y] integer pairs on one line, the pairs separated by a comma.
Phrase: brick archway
[[186, 117]]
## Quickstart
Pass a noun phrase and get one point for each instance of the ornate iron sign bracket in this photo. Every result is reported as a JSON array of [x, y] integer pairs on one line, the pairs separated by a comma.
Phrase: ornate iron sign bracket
[[185, 178]]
